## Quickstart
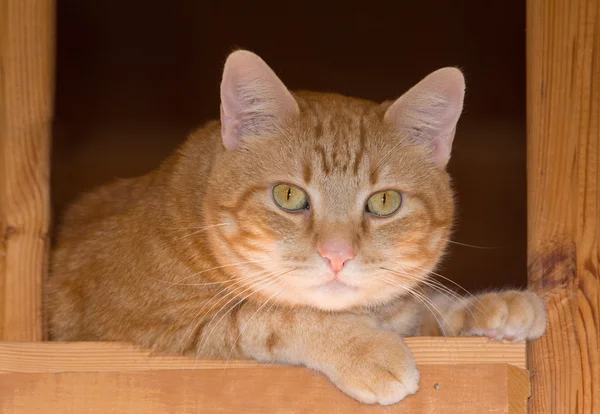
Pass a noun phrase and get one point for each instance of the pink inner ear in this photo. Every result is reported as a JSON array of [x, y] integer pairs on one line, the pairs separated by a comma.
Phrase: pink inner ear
[[229, 131], [253, 99], [443, 148], [430, 110]]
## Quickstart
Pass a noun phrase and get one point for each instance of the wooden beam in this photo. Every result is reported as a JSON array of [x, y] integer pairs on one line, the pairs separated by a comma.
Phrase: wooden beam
[[44, 357], [563, 113], [444, 389], [26, 99], [458, 375]]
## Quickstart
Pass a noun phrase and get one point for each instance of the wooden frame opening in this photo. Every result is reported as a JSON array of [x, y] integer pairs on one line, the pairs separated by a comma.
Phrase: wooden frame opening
[[467, 375]]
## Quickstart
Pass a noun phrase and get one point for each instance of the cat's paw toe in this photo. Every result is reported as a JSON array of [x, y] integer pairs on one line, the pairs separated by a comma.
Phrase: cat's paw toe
[[512, 315], [385, 374], [387, 389], [381, 385]]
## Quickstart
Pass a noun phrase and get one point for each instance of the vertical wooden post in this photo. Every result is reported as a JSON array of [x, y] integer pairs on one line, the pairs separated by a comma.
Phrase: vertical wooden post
[[563, 104], [26, 100]]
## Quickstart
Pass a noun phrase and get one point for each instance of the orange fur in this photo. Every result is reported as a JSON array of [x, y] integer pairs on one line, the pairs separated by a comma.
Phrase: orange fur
[[196, 258]]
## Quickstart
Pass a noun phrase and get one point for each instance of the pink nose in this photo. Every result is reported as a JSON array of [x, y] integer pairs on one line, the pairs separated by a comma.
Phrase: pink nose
[[337, 253]]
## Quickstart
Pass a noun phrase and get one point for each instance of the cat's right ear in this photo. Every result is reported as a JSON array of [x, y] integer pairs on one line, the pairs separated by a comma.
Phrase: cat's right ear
[[253, 99]]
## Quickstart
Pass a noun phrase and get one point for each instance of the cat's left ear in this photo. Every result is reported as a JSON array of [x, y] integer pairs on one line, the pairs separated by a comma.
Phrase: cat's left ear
[[254, 101], [429, 112]]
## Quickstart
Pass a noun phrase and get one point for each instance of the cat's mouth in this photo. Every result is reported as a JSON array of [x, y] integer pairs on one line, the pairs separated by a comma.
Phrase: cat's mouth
[[335, 285]]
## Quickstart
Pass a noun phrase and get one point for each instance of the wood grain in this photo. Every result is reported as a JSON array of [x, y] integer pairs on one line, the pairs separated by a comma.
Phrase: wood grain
[[519, 390], [465, 389], [56, 357], [563, 104], [26, 99]]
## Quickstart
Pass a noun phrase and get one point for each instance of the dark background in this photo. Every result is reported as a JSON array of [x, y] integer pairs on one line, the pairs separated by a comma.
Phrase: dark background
[[135, 76]]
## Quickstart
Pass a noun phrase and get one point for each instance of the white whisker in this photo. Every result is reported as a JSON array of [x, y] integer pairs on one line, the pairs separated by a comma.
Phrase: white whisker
[[217, 313], [273, 279], [475, 299], [218, 298], [432, 283], [471, 245], [253, 315], [194, 228], [438, 287], [421, 297], [200, 230], [177, 283]]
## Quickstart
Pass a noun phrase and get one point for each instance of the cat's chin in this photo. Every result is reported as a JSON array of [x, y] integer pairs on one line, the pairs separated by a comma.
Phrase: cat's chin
[[336, 295]]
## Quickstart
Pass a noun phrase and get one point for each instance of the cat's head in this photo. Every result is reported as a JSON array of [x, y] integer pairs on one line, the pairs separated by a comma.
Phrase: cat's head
[[330, 201]]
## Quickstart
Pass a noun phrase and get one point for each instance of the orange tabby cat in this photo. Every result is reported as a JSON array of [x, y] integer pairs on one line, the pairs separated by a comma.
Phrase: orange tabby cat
[[299, 229]]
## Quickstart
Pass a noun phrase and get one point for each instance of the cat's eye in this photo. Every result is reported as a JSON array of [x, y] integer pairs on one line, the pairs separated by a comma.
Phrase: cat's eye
[[384, 203], [290, 198]]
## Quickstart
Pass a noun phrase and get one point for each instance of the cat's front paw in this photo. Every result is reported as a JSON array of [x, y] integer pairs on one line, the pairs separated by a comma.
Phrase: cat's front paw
[[511, 315], [376, 369]]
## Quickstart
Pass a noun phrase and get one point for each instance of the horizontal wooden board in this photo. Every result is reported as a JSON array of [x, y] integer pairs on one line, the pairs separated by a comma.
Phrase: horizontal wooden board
[[465, 389], [54, 357]]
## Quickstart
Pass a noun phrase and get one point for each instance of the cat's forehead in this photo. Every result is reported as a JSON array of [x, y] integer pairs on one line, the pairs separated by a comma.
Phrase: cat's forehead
[[345, 138], [337, 134], [338, 116]]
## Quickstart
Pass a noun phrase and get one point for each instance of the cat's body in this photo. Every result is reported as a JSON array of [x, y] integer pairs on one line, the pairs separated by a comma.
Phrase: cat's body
[[203, 257]]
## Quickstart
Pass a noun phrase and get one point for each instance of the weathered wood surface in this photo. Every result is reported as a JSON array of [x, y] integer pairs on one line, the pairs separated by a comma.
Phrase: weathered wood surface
[[56, 357], [563, 104], [444, 389], [26, 100], [459, 375]]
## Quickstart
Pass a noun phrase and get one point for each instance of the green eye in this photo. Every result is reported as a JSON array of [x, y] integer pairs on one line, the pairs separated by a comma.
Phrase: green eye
[[384, 203], [290, 197]]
